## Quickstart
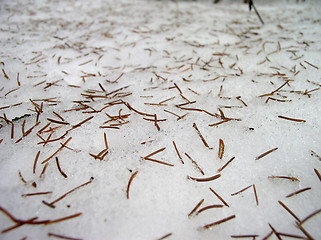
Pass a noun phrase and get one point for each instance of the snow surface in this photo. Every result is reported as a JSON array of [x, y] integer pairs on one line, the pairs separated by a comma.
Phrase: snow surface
[[152, 56]]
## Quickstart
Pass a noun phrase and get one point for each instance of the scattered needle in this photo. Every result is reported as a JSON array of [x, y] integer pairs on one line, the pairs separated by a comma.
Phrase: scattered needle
[[129, 183], [266, 153]]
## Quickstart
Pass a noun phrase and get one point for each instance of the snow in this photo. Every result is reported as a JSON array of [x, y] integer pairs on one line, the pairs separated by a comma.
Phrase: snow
[[85, 60]]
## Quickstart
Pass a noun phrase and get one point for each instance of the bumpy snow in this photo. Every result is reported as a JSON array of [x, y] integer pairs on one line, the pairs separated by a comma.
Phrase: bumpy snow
[[153, 109]]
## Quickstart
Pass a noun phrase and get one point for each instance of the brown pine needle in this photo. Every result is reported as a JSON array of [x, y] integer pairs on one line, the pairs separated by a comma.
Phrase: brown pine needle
[[67, 193], [204, 179], [5, 74], [297, 192], [136, 111], [289, 211], [292, 119], [290, 235], [21, 177], [153, 153], [166, 100], [166, 236], [101, 87], [171, 113], [312, 65], [63, 145], [285, 177], [64, 218], [61, 172], [129, 183], [35, 163], [309, 237], [179, 156], [318, 174], [209, 207], [195, 163], [178, 88], [156, 123], [200, 135], [219, 123], [245, 236], [268, 236], [32, 221], [196, 207], [62, 236], [313, 153], [105, 139], [242, 190], [275, 232], [219, 222], [157, 161], [81, 123], [42, 129], [62, 119], [118, 78], [225, 165], [255, 194], [239, 98], [35, 194], [272, 93], [221, 149], [310, 216], [44, 170], [219, 197], [266, 153]]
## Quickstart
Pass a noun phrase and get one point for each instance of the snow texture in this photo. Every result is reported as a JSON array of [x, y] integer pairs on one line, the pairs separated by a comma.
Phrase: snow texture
[[206, 84]]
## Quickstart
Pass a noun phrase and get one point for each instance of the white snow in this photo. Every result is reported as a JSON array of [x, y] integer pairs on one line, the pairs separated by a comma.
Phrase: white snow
[[149, 57]]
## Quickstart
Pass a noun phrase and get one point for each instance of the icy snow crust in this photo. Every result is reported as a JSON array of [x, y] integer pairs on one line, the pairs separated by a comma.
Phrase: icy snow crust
[[216, 60]]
